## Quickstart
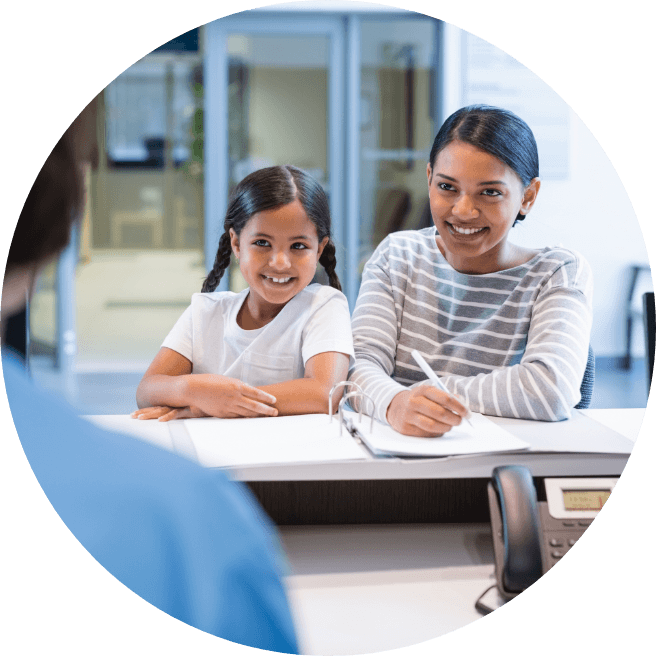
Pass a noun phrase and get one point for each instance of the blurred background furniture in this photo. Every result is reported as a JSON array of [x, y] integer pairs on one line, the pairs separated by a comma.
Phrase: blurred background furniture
[[632, 311], [650, 333]]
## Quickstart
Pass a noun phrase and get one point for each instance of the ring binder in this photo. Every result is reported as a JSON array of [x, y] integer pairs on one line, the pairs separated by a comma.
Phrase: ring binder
[[357, 393]]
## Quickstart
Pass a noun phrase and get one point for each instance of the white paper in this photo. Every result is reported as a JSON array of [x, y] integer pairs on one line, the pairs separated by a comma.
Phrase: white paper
[[271, 441], [483, 437]]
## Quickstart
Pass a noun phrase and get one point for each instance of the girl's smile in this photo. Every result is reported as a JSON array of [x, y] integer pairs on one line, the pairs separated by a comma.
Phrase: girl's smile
[[278, 251], [474, 200]]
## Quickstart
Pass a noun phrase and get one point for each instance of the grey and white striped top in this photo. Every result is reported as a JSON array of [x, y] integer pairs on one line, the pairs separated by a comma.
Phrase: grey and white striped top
[[513, 343]]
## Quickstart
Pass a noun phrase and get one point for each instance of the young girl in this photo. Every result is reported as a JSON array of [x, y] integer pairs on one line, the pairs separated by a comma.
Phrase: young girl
[[278, 347]]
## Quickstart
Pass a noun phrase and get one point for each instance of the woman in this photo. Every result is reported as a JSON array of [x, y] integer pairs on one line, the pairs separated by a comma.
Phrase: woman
[[505, 327]]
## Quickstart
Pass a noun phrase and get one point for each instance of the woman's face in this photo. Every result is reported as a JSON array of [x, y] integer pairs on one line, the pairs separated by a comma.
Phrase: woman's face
[[474, 200]]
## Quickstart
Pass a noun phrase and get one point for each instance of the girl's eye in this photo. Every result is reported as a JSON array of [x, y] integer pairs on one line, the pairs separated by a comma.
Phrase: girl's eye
[[491, 192], [298, 246], [261, 242]]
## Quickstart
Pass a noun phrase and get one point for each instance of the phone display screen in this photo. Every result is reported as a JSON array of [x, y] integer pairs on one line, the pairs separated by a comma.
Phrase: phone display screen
[[585, 499]]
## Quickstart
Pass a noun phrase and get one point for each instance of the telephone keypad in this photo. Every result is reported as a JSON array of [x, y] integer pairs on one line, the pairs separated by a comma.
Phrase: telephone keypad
[[560, 535]]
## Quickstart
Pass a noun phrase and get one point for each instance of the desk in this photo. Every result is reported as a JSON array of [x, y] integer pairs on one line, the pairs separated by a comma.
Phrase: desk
[[396, 490], [358, 589]]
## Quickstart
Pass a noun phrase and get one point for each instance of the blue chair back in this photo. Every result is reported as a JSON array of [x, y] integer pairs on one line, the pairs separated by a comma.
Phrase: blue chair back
[[587, 385]]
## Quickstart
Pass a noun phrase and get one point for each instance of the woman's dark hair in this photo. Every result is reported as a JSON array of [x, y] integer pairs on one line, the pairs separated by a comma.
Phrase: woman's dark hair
[[56, 199], [496, 131], [44, 225], [268, 189]]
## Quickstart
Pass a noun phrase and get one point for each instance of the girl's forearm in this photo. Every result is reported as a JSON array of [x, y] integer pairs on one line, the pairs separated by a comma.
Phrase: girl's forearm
[[302, 396], [159, 389]]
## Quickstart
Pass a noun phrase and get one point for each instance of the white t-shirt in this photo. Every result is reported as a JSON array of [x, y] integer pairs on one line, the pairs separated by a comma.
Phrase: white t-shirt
[[315, 321]]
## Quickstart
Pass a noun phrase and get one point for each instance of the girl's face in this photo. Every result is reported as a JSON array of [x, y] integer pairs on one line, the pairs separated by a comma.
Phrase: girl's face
[[278, 252], [474, 200]]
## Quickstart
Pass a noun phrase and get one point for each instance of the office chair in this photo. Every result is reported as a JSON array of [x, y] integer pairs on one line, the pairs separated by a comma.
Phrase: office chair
[[649, 318], [587, 385]]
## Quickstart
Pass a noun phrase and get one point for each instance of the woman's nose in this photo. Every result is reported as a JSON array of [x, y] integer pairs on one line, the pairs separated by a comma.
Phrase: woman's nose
[[464, 208], [279, 260]]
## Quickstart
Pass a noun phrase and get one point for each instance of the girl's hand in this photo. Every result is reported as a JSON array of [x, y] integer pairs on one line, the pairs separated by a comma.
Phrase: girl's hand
[[154, 412], [220, 396], [164, 413], [424, 411]]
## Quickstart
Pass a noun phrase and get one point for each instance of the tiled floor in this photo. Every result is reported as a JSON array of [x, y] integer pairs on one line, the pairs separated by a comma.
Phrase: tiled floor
[[114, 392]]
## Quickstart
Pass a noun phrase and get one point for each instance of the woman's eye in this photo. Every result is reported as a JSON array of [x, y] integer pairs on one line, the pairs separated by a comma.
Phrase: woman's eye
[[491, 192], [445, 186], [261, 242]]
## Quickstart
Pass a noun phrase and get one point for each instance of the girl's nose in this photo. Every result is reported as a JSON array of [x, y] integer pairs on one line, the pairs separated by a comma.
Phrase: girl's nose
[[464, 208], [279, 260]]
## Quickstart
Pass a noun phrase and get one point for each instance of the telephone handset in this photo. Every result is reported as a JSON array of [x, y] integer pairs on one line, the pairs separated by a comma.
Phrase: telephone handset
[[516, 524], [531, 535]]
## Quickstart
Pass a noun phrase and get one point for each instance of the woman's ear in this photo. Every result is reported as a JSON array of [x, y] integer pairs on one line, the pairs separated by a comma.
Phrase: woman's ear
[[234, 242], [322, 245], [530, 194]]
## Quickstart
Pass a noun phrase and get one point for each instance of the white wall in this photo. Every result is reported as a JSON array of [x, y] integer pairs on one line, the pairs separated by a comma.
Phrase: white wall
[[589, 211]]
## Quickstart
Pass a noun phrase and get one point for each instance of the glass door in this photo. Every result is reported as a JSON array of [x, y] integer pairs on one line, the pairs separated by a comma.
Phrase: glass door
[[284, 105]]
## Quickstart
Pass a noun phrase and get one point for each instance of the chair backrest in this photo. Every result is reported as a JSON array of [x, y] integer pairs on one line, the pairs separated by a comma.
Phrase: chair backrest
[[649, 316], [587, 385]]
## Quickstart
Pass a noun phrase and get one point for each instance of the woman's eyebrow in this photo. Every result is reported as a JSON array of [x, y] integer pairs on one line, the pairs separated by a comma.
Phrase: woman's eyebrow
[[480, 184], [492, 182]]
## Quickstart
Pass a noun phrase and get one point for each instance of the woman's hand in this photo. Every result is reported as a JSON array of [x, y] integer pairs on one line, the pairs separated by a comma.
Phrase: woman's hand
[[220, 396], [424, 411], [165, 413]]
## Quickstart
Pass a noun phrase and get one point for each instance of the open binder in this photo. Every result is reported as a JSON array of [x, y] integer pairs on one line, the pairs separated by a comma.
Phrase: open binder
[[318, 438], [382, 440]]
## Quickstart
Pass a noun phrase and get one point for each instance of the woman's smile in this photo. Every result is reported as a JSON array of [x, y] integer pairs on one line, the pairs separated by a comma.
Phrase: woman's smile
[[462, 231], [474, 201]]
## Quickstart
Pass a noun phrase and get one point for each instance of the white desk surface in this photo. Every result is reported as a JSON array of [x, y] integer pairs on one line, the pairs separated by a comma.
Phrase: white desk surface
[[369, 588], [625, 421], [615, 429]]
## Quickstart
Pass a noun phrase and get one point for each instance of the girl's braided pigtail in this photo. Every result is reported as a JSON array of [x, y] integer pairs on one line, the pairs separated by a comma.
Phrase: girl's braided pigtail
[[328, 261], [221, 263]]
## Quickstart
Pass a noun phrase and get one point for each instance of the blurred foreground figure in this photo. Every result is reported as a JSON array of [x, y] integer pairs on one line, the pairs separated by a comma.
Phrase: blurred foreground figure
[[187, 540]]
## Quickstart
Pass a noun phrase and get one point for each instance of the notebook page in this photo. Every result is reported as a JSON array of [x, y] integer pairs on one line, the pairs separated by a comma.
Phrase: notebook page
[[271, 441], [483, 436]]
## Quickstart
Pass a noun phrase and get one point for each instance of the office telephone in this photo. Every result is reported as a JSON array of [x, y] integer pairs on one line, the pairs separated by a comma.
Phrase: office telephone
[[531, 534]]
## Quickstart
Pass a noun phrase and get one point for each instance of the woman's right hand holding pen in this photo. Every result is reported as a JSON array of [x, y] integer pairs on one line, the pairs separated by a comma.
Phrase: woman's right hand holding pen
[[424, 411]]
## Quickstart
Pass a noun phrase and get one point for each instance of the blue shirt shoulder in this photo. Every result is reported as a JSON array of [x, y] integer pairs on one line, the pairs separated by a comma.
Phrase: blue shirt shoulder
[[188, 540]]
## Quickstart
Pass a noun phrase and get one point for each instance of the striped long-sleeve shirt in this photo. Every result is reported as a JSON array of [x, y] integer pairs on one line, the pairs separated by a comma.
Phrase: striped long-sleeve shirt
[[513, 343]]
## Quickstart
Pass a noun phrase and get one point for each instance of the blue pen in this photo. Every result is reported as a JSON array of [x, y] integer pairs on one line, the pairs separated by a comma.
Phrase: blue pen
[[432, 376]]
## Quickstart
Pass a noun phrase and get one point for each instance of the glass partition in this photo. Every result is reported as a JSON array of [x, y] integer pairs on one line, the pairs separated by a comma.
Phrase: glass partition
[[397, 127]]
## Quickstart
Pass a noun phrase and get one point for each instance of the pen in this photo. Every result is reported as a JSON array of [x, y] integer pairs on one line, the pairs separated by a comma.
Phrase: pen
[[432, 376]]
